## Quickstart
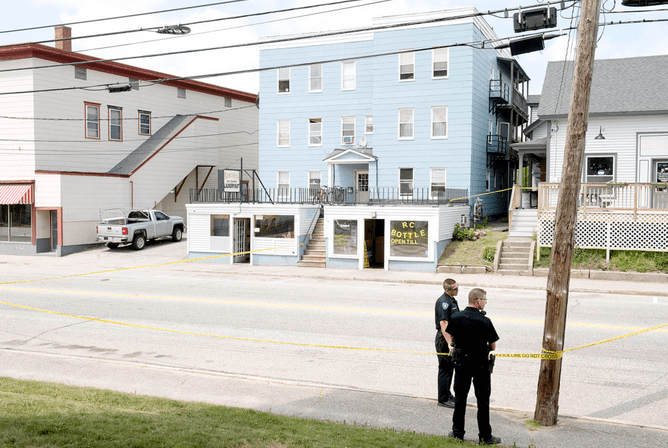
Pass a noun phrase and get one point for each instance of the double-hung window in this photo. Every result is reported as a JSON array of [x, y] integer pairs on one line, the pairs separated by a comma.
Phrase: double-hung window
[[405, 182], [284, 80], [348, 75], [348, 130], [115, 123], [283, 183], [315, 78], [406, 123], [92, 121], [368, 124], [283, 132], [440, 59], [439, 122], [438, 182], [144, 122], [406, 66], [314, 179], [315, 132]]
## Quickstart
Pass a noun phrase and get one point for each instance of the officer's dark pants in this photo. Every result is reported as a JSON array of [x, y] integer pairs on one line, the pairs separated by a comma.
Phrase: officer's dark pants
[[445, 371], [480, 376]]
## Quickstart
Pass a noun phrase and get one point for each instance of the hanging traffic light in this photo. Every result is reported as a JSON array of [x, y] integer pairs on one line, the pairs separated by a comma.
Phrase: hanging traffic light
[[535, 19]]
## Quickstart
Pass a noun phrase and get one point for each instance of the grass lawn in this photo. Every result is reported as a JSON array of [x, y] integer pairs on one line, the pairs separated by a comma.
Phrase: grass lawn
[[469, 253], [52, 415]]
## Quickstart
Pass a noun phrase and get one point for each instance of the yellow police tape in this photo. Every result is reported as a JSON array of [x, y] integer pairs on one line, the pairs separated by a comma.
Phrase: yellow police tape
[[547, 354]]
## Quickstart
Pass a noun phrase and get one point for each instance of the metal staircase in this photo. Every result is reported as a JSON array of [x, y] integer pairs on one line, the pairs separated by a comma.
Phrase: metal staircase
[[315, 255]]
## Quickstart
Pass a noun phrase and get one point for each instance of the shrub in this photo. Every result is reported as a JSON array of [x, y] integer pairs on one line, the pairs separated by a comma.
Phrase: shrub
[[461, 233], [488, 253]]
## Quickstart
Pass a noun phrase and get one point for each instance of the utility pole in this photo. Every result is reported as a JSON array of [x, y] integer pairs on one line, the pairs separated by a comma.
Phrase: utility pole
[[547, 404]]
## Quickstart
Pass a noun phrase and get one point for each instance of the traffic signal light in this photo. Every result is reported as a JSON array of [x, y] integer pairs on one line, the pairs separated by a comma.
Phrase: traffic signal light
[[535, 19]]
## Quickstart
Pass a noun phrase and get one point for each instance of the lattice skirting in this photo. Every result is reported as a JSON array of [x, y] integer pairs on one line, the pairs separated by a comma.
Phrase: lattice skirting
[[617, 231]]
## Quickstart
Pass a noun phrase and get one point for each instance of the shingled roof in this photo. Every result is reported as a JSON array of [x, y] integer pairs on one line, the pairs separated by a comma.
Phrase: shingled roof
[[619, 86]]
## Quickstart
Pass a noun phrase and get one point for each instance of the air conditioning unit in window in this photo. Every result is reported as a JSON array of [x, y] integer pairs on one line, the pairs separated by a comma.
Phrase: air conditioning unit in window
[[348, 139]]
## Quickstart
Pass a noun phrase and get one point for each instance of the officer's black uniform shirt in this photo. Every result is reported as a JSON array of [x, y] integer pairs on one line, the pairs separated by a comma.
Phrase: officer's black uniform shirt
[[472, 333], [446, 307]]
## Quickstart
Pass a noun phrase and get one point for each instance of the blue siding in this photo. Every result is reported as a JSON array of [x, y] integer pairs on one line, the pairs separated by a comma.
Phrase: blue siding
[[379, 92]]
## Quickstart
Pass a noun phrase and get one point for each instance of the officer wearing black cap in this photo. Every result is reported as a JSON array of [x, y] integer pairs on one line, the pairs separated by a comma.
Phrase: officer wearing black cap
[[473, 337], [446, 307]]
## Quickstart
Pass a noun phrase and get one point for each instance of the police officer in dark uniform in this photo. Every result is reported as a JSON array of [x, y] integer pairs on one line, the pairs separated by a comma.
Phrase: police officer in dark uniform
[[474, 337], [446, 307]]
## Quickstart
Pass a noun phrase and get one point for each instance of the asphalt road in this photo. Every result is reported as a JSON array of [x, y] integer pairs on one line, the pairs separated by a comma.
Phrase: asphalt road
[[347, 335]]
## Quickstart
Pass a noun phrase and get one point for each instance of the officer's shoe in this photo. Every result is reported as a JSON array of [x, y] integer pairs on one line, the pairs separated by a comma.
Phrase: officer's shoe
[[453, 436], [491, 440], [447, 404]]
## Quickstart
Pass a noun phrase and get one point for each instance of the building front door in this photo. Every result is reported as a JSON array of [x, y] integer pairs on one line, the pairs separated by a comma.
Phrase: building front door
[[54, 230], [660, 176], [362, 186], [241, 240]]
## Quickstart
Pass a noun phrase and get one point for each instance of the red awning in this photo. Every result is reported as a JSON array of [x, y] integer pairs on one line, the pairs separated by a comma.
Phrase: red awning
[[16, 194]]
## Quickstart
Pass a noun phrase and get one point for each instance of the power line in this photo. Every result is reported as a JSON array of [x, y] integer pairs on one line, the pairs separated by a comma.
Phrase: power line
[[122, 17], [243, 16], [281, 40]]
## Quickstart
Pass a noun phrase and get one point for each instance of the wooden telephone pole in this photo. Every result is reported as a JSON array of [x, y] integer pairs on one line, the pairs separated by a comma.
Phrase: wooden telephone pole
[[547, 404]]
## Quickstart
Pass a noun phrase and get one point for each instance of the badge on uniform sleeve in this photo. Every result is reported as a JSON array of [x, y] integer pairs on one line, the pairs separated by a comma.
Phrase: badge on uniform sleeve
[[445, 305]]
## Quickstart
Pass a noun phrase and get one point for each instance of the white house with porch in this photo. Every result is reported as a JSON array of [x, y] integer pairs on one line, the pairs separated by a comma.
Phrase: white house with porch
[[624, 194]]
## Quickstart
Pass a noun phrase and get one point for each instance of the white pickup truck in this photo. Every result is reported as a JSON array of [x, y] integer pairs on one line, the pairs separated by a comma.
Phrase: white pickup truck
[[137, 226]]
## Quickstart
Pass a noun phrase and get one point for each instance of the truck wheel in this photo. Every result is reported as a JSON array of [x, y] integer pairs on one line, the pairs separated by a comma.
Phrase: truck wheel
[[112, 245], [177, 234], [139, 242]]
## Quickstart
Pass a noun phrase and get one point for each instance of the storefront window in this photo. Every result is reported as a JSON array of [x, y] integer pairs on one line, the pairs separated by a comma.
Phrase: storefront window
[[16, 222], [220, 225], [409, 239], [275, 226], [345, 237], [600, 169]]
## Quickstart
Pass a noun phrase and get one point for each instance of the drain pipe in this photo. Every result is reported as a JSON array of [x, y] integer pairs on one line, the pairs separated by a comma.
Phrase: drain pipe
[[132, 195]]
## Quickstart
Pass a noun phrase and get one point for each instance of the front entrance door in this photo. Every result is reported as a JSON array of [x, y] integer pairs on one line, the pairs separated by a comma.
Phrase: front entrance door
[[362, 186], [374, 243], [241, 240], [660, 175], [54, 230]]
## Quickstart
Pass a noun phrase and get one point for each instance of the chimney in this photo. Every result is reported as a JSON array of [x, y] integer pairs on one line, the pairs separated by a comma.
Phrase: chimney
[[64, 32]]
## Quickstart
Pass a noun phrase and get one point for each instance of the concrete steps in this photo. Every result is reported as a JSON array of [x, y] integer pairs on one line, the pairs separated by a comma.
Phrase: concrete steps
[[515, 256], [315, 255]]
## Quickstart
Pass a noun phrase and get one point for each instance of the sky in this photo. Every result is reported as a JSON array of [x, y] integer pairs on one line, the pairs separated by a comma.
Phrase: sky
[[615, 41]]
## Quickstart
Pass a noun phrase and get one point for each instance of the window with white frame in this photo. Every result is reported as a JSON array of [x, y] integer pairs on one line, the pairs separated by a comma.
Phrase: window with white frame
[[283, 183], [92, 120], [348, 75], [315, 78], [284, 80], [315, 132], [368, 124], [440, 59], [439, 122], [314, 181], [144, 122], [405, 182], [599, 169], [115, 123], [406, 122], [437, 182], [406, 66], [348, 130], [283, 132]]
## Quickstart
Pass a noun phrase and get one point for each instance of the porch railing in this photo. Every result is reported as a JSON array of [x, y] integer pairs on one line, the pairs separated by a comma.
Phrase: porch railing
[[347, 196], [610, 196]]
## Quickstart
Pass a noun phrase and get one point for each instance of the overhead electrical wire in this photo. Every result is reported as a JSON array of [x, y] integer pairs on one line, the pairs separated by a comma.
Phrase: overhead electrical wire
[[274, 41], [127, 16]]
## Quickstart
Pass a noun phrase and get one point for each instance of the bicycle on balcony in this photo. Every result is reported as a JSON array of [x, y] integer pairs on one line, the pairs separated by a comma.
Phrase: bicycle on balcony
[[329, 196]]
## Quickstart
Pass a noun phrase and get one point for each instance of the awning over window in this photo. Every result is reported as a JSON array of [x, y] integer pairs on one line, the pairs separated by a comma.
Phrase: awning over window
[[16, 194]]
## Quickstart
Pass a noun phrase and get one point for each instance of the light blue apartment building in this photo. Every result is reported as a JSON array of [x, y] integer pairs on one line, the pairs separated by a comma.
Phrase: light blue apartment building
[[407, 122]]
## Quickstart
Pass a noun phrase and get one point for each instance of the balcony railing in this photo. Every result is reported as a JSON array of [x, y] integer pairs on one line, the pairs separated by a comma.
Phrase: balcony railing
[[499, 91], [497, 144], [344, 196]]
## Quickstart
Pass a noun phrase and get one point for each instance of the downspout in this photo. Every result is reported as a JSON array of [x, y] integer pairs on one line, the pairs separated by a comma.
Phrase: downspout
[[132, 195]]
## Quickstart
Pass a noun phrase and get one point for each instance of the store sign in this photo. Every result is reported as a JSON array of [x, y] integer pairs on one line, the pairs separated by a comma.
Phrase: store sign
[[232, 181], [409, 239], [653, 145]]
